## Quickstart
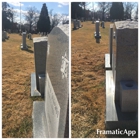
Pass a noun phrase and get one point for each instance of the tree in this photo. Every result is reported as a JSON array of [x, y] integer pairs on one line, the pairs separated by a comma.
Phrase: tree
[[43, 24], [128, 8], [76, 10], [117, 11], [31, 17], [105, 8], [6, 24]]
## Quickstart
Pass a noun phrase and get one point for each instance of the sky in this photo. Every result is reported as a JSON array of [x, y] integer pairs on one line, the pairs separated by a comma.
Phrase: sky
[[58, 7]]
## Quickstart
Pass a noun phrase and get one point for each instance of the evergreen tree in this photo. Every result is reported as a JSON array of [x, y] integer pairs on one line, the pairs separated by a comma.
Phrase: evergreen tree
[[117, 11], [43, 24]]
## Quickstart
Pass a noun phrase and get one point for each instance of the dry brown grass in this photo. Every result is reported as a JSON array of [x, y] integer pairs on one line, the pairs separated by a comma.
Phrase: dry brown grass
[[17, 105], [88, 81]]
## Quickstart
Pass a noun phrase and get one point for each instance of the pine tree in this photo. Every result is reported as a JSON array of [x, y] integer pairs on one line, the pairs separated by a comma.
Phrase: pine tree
[[117, 11], [43, 24]]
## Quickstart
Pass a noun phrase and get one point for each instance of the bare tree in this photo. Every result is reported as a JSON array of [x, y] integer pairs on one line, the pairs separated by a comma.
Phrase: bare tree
[[84, 5], [57, 18], [129, 9], [104, 7], [32, 17]]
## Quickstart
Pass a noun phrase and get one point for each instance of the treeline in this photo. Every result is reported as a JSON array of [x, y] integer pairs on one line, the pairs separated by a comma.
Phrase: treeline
[[104, 10], [34, 21]]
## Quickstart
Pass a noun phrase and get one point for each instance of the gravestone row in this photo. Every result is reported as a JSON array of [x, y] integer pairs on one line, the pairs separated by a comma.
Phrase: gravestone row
[[122, 77], [51, 81]]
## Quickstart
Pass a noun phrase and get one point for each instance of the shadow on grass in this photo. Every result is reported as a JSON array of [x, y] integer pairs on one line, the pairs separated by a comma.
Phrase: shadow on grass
[[30, 51]]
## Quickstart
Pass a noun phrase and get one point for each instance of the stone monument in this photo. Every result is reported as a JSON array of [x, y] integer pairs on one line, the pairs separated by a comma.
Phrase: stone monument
[[122, 80], [50, 117]]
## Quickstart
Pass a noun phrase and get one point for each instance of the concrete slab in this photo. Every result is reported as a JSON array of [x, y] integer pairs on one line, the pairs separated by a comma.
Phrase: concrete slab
[[114, 117], [40, 129], [107, 62], [34, 91]]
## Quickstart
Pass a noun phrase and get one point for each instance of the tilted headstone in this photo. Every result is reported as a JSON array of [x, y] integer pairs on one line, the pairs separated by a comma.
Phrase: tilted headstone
[[122, 80], [23, 45], [50, 118], [40, 54]]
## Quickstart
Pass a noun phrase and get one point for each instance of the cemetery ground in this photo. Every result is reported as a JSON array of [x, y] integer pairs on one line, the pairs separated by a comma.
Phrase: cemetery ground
[[88, 80], [17, 105]]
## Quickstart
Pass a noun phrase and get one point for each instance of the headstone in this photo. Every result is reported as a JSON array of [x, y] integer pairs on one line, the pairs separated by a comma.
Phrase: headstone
[[75, 24], [97, 34], [40, 54], [50, 117], [3, 36], [82, 19], [79, 23], [108, 57], [103, 24], [30, 36], [92, 20], [23, 45], [122, 80]]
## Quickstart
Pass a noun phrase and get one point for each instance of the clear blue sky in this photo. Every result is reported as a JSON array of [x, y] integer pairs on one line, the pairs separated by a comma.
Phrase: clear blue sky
[[58, 7]]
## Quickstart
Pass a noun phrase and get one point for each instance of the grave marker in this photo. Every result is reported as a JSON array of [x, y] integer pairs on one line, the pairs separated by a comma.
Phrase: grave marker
[[54, 110], [122, 80]]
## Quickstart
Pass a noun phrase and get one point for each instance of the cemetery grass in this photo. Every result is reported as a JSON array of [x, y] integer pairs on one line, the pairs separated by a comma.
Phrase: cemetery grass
[[17, 105], [88, 81]]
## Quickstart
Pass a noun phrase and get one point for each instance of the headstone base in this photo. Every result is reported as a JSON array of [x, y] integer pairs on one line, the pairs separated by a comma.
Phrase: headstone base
[[34, 91], [40, 129], [115, 119], [107, 62], [23, 48]]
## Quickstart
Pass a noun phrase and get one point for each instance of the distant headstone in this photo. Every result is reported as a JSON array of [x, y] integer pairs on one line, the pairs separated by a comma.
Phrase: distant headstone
[[50, 117], [30, 36], [122, 80], [97, 34], [92, 20], [103, 24], [23, 45], [3, 36], [79, 23], [75, 24]]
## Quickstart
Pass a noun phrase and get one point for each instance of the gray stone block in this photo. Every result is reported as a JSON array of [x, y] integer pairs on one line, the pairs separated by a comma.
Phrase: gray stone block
[[129, 96], [107, 62], [40, 127], [115, 118]]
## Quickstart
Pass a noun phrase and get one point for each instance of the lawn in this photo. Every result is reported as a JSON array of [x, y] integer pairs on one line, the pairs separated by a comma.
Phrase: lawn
[[88, 80], [17, 105]]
